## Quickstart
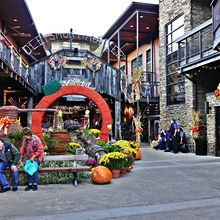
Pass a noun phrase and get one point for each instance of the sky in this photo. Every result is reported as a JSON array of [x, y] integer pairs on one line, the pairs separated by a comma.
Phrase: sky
[[86, 17]]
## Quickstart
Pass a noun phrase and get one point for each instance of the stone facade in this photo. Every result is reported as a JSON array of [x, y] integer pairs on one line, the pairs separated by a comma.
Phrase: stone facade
[[194, 15], [211, 122], [182, 112]]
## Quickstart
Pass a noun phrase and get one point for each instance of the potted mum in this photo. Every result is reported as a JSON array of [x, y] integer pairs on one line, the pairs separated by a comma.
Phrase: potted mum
[[114, 161]]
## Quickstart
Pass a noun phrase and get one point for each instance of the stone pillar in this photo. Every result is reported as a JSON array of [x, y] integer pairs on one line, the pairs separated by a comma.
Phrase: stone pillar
[[29, 114], [117, 119]]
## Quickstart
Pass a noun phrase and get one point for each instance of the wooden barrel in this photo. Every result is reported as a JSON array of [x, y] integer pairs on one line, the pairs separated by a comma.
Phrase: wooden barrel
[[63, 138], [91, 150]]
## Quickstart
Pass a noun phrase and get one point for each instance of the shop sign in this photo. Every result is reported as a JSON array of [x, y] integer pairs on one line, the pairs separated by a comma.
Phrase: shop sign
[[217, 92], [76, 81]]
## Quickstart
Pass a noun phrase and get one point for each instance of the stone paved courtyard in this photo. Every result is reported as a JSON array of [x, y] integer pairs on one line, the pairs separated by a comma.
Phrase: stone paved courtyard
[[161, 186]]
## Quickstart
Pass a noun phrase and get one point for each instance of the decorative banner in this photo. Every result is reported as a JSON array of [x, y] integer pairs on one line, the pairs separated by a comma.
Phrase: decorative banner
[[56, 62], [217, 92], [4, 124], [93, 63], [136, 81]]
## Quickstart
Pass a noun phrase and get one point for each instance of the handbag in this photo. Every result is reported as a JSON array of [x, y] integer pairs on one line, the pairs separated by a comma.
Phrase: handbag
[[30, 167]]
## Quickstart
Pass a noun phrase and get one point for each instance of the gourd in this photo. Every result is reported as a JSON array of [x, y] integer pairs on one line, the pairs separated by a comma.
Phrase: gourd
[[138, 155], [101, 175]]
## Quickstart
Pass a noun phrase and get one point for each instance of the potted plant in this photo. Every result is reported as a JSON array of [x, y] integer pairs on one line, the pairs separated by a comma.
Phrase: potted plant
[[72, 147], [114, 161], [200, 142], [49, 143], [95, 132], [15, 137]]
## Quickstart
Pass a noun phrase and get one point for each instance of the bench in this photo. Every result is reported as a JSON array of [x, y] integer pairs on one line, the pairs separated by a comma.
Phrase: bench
[[74, 169]]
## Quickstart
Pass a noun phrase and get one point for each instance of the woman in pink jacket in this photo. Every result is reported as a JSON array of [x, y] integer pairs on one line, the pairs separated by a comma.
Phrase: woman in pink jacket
[[33, 148]]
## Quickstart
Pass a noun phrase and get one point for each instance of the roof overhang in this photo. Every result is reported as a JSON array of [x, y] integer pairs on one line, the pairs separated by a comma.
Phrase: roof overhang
[[126, 25], [16, 17]]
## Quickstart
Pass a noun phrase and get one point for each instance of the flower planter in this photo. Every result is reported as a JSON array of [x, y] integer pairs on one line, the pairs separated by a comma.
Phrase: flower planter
[[63, 138], [201, 146], [123, 171], [115, 173]]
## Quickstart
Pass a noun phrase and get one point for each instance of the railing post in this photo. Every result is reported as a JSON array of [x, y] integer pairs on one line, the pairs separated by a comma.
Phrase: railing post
[[200, 44]]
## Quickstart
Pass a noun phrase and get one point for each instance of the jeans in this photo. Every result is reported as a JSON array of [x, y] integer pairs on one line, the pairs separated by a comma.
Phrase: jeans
[[3, 179], [33, 179]]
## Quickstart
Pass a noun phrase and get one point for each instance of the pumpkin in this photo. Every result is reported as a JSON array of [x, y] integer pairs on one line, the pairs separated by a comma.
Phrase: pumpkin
[[137, 148], [138, 155], [101, 175]]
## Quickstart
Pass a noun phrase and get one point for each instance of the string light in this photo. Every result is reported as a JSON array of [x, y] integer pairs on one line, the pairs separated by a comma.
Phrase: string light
[[207, 68]]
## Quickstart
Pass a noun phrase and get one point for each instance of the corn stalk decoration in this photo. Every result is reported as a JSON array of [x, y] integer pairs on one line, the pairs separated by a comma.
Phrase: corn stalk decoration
[[195, 124], [138, 128], [136, 82]]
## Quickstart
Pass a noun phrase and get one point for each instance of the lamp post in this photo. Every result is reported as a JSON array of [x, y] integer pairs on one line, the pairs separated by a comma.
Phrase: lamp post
[[71, 32]]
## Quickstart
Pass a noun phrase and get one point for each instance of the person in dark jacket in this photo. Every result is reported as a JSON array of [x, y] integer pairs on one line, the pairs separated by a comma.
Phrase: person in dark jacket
[[9, 156], [174, 127]]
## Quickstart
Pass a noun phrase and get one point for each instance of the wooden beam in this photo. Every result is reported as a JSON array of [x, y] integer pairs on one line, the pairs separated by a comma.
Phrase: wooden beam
[[20, 35]]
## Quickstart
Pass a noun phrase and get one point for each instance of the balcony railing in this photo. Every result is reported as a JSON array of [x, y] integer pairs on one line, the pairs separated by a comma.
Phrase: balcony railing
[[12, 58], [149, 88], [196, 45], [216, 24]]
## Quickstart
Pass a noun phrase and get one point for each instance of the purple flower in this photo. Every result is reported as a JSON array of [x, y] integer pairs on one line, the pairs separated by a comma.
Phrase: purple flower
[[92, 163], [89, 142]]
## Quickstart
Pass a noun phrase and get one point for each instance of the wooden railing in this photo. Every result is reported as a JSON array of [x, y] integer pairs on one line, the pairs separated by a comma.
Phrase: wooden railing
[[196, 45], [12, 58], [147, 83]]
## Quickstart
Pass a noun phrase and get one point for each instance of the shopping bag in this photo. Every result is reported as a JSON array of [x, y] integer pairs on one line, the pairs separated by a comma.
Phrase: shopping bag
[[30, 167]]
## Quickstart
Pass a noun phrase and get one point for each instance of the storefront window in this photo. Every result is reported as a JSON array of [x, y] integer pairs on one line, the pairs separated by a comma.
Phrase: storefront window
[[175, 81]]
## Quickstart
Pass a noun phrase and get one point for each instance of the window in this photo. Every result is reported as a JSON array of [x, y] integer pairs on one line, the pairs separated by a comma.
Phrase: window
[[175, 82], [137, 62]]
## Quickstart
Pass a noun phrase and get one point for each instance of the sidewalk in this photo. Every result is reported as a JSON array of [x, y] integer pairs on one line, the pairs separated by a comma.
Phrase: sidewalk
[[159, 185]]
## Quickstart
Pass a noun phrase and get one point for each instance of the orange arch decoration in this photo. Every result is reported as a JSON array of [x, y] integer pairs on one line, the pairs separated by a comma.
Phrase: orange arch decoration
[[47, 101]]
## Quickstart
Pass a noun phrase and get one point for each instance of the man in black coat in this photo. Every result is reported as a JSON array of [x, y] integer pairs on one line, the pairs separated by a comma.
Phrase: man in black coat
[[9, 156]]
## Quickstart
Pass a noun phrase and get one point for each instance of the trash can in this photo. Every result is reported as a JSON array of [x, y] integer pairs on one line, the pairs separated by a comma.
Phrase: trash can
[[201, 145]]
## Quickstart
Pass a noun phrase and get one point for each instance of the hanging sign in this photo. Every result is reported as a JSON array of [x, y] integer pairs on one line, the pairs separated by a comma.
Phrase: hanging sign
[[55, 62], [94, 64]]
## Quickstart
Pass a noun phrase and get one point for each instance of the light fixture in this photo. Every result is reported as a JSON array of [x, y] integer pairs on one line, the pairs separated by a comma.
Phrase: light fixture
[[141, 16], [15, 19], [131, 26], [147, 28]]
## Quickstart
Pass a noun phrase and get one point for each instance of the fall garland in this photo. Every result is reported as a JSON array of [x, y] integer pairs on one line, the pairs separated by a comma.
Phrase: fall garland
[[4, 124]]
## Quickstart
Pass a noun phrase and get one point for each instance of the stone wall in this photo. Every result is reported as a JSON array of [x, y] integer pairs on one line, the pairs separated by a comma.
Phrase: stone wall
[[200, 13], [182, 113], [211, 122], [195, 13]]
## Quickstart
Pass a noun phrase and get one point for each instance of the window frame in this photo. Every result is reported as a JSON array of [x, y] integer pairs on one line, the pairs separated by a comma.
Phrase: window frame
[[172, 59]]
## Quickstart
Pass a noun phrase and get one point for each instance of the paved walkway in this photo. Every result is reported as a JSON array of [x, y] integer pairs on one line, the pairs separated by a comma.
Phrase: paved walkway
[[161, 186]]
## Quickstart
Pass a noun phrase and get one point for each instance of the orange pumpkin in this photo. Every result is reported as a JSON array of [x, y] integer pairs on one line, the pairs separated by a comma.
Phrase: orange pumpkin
[[138, 155], [137, 148], [101, 175]]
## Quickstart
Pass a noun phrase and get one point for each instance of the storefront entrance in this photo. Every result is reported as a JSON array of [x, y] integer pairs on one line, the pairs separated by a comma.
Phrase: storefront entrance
[[48, 100], [218, 131]]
